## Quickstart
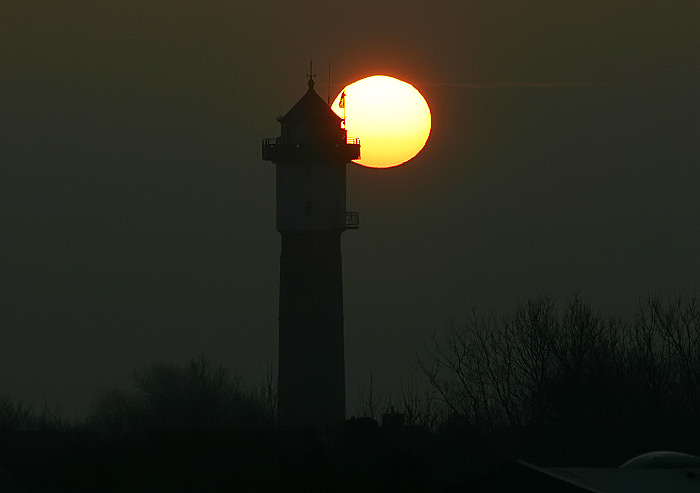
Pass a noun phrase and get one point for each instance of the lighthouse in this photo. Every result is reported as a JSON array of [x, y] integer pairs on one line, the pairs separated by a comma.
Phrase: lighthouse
[[310, 157]]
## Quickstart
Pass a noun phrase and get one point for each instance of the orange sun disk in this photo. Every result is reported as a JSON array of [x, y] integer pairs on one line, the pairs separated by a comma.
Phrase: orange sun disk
[[389, 116]]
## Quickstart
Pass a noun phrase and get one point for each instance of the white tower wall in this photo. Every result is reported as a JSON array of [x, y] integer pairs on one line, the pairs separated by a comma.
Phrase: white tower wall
[[310, 196]]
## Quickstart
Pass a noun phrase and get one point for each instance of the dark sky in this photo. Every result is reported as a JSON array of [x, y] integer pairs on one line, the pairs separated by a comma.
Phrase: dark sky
[[137, 217]]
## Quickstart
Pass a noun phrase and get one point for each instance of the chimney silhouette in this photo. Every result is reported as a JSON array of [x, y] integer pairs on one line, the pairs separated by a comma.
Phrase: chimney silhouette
[[310, 157]]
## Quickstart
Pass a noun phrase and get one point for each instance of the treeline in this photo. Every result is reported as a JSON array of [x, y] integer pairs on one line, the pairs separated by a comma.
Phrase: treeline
[[197, 395], [569, 382], [17, 416], [548, 381]]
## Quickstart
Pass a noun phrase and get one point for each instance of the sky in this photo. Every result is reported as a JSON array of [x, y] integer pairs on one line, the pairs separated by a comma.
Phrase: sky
[[137, 216]]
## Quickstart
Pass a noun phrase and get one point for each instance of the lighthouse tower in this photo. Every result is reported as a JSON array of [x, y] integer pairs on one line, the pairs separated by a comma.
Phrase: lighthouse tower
[[310, 157]]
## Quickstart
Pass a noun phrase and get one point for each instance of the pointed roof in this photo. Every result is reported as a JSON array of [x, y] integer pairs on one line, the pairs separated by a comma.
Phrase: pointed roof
[[311, 108]]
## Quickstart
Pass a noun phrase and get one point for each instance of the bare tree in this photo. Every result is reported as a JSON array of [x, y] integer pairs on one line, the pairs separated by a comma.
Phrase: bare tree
[[14, 415], [17, 416], [420, 406], [197, 395], [528, 369], [269, 392], [494, 373], [666, 352], [370, 401]]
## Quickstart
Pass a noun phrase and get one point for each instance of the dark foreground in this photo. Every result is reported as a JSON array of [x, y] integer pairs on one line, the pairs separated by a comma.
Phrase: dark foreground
[[360, 456], [229, 460]]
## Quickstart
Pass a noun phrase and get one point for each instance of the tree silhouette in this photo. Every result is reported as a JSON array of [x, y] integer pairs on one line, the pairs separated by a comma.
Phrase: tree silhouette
[[198, 395], [14, 416], [572, 374], [17, 416]]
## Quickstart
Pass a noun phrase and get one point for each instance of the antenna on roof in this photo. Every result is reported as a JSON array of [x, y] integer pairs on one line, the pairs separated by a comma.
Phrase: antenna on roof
[[311, 73]]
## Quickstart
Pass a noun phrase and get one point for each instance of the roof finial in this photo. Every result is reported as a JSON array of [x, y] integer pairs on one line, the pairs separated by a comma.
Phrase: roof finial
[[311, 74]]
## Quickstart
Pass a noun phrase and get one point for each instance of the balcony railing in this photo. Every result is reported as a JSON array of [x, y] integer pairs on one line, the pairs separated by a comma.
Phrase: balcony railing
[[274, 150], [352, 220], [276, 140]]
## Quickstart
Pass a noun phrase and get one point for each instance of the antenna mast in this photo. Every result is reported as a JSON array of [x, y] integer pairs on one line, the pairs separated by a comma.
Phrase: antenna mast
[[311, 73]]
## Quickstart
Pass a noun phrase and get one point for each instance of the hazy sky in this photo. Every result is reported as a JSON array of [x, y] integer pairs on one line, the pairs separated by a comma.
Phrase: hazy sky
[[137, 216]]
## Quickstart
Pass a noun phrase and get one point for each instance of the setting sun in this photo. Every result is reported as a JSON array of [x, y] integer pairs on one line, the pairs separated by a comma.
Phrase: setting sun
[[389, 116]]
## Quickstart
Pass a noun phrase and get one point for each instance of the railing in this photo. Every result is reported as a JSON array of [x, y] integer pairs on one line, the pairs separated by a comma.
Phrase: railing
[[273, 149], [352, 220], [276, 140]]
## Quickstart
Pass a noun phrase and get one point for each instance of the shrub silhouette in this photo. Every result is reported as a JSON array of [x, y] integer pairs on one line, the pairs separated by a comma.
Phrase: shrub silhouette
[[17, 416], [14, 416], [196, 396]]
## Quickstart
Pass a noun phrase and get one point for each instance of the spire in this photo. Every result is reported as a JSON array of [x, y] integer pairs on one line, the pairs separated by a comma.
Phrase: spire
[[311, 75]]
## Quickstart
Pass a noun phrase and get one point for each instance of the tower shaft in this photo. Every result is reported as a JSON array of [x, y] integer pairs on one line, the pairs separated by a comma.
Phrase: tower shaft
[[311, 385], [310, 158]]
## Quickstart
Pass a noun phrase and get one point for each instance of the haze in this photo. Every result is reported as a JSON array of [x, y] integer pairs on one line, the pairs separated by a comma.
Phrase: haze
[[137, 219]]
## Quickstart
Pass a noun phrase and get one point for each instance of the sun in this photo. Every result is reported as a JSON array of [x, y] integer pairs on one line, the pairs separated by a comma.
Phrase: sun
[[389, 116]]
